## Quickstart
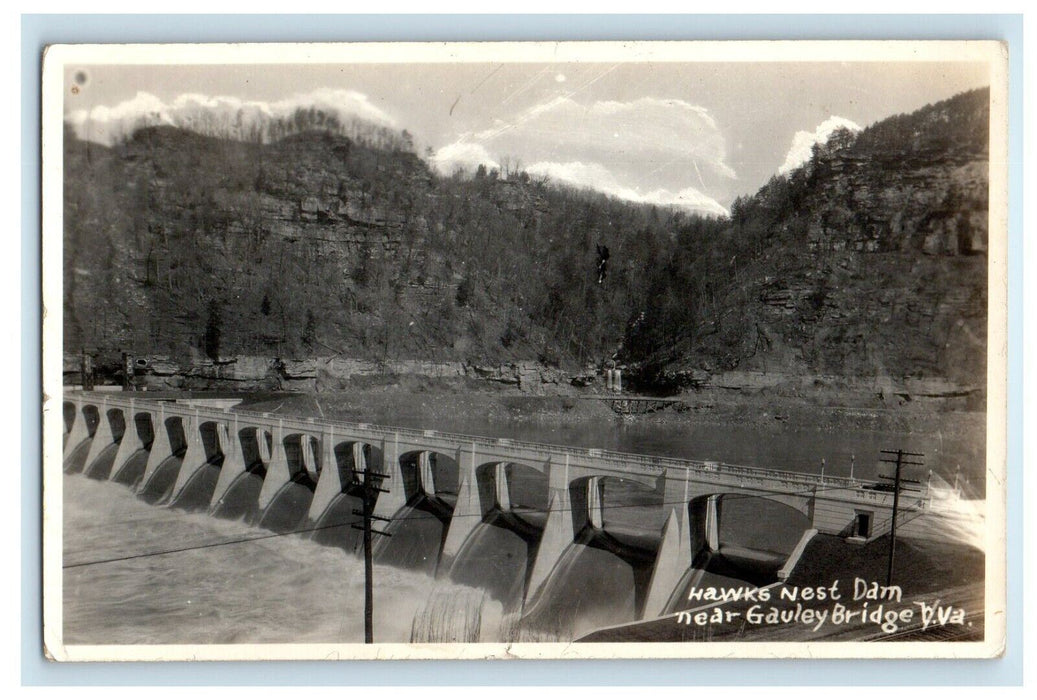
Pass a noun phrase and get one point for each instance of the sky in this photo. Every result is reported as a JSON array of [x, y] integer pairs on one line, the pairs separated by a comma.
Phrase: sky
[[693, 135]]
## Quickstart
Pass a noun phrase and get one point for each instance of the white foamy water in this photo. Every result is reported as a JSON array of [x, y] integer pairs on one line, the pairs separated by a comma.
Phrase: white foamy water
[[277, 590]]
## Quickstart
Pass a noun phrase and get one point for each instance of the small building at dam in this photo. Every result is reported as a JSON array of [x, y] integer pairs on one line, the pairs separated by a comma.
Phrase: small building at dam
[[567, 539]]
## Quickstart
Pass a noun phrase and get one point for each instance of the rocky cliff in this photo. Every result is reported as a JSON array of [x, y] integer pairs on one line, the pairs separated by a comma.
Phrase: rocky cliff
[[868, 261]]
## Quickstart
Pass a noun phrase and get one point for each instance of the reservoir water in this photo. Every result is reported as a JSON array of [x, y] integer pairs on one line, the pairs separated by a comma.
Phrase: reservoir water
[[778, 445]]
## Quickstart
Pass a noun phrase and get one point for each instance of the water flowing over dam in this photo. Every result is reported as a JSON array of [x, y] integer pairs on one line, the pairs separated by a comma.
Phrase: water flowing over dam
[[559, 541]]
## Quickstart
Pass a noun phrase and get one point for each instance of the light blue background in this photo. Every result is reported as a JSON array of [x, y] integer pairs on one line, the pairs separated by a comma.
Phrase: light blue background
[[38, 30]]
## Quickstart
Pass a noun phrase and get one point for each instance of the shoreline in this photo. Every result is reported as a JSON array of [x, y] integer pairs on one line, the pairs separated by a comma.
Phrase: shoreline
[[759, 409]]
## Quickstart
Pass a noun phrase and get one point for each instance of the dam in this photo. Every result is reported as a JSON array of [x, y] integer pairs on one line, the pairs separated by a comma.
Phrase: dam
[[566, 539]]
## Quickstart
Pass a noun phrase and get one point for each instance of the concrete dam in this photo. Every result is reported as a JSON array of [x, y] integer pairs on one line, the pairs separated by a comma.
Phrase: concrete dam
[[569, 540]]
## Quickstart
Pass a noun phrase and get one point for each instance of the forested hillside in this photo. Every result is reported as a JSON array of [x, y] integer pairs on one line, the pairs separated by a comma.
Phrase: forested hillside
[[870, 260], [320, 240]]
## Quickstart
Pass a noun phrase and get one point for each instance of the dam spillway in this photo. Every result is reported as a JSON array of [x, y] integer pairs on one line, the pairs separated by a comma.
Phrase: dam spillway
[[567, 539]]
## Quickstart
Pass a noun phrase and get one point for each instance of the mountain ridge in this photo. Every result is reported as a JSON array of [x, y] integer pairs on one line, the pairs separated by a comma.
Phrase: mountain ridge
[[869, 260]]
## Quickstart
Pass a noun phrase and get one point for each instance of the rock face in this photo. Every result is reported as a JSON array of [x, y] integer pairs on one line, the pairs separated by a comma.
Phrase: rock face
[[270, 232], [299, 369], [249, 372], [869, 261]]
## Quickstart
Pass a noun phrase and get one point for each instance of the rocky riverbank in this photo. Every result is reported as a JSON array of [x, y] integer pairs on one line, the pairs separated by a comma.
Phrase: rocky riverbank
[[775, 394]]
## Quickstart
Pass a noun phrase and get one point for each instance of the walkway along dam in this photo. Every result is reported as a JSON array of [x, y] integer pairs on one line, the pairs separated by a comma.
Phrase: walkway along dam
[[567, 539]]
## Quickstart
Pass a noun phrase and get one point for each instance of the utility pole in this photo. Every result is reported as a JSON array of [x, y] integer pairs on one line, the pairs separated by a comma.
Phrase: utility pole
[[897, 480], [370, 493]]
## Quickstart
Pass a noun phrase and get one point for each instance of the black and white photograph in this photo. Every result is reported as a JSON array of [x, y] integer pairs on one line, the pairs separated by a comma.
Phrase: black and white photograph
[[540, 350]]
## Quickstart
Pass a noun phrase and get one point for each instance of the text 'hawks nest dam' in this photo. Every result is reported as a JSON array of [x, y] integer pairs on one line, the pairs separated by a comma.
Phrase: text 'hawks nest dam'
[[567, 539]]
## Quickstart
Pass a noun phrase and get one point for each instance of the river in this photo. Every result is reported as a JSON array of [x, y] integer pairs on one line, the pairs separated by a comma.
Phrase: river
[[221, 585]]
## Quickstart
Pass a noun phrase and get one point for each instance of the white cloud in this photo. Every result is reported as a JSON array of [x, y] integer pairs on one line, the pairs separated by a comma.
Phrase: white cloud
[[803, 142], [689, 199], [345, 102], [106, 124], [465, 155], [222, 114], [639, 137], [636, 150], [597, 177]]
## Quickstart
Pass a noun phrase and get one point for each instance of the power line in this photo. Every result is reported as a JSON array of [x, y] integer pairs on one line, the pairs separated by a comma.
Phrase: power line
[[209, 545]]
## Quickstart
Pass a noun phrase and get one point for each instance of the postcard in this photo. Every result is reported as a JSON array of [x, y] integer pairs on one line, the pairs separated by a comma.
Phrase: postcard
[[524, 350]]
